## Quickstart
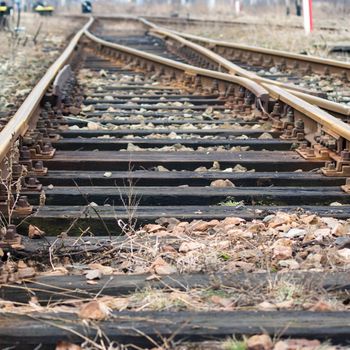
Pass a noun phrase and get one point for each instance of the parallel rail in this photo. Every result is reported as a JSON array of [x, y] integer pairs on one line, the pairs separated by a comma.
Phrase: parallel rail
[[19, 123], [316, 64], [222, 23], [317, 115], [211, 52]]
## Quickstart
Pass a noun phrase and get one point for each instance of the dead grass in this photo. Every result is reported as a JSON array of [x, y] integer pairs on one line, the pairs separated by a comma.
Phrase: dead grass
[[23, 61], [273, 37], [281, 242], [269, 27]]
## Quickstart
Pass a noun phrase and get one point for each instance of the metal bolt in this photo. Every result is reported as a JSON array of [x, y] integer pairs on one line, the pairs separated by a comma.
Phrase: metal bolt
[[17, 170], [46, 149], [23, 202], [290, 116], [11, 233], [25, 153], [39, 165], [330, 165], [310, 152], [345, 154], [32, 182], [299, 124]]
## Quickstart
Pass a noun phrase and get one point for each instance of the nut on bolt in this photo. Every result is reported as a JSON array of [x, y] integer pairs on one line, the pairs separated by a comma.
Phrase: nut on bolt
[[17, 170], [23, 202], [345, 154], [33, 184], [330, 166], [39, 165], [346, 187], [25, 153], [11, 233]]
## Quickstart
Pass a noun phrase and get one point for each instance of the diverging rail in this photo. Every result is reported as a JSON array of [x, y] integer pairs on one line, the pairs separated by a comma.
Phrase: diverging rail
[[202, 51], [293, 112]]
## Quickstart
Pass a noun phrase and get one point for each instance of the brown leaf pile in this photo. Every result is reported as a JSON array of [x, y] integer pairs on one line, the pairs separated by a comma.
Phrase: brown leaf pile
[[279, 242]]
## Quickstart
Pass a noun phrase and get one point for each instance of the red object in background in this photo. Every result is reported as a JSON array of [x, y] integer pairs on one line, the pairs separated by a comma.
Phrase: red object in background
[[311, 19], [307, 13]]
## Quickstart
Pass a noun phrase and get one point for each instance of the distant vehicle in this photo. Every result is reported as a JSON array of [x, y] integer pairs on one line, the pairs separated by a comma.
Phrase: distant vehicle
[[43, 8], [86, 7]]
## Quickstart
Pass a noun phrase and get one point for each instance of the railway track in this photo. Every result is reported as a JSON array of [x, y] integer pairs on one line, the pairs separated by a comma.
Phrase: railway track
[[182, 21], [328, 77], [322, 82], [157, 185]]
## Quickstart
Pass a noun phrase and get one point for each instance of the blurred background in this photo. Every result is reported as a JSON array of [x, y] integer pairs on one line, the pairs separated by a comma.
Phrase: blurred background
[[192, 8]]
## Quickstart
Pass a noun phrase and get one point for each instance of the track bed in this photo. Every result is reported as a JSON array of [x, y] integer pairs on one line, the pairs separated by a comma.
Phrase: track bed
[[169, 215]]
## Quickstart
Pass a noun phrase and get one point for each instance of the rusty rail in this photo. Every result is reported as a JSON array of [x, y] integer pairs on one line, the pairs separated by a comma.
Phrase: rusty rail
[[316, 118], [18, 124], [318, 64], [205, 22], [318, 115], [190, 70], [221, 62]]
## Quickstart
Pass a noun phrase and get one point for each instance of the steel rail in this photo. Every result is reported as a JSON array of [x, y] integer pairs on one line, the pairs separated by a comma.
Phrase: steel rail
[[252, 86], [201, 21], [219, 60], [318, 115], [341, 110], [338, 108], [310, 111], [195, 21], [18, 124], [306, 59]]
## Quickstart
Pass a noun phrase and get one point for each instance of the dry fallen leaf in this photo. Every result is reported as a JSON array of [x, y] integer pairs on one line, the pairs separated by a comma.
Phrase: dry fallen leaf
[[233, 221], [308, 219], [64, 345], [168, 248], [161, 267], [94, 310], [287, 304], [58, 271], [189, 246], [282, 249], [153, 228], [116, 303], [344, 254], [266, 306], [259, 342], [26, 272], [224, 302], [35, 232], [322, 306], [281, 345], [221, 183], [21, 264], [93, 275], [105, 270], [302, 344], [203, 225]]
